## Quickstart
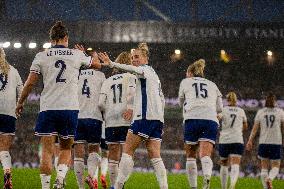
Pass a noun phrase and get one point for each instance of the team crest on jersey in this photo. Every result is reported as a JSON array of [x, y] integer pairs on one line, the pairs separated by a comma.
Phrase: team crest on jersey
[[3, 81]]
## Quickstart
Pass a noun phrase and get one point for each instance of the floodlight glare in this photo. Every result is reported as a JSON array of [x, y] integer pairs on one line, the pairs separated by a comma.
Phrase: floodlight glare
[[223, 52], [89, 49], [177, 51], [269, 53], [32, 45], [17, 45], [46, 45], [6, 44]]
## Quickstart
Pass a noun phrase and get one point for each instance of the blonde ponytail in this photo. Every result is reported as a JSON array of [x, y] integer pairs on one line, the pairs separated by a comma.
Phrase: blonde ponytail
[[197, 68], [143, 47], [232, 98], [4, 66]]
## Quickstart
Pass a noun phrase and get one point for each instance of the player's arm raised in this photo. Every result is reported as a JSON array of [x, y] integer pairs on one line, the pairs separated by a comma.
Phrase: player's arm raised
[[31, 81], [107, 62]]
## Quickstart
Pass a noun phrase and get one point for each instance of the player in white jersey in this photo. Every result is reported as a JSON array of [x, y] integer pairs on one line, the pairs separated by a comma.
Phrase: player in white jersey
[[201, 101], [270, 121], [10, 87], [148, 117], [231, 142], [89, 128], [117, 96], [59, 106]]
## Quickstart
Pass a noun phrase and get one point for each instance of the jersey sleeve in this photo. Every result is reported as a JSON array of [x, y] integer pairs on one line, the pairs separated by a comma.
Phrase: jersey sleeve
[[257, 118], [181, 96], [35, 67], [130, 92], [244, 116], [84, 59], [219, 102], [129, 68], [103, 97], [282, 115], [19, 83]]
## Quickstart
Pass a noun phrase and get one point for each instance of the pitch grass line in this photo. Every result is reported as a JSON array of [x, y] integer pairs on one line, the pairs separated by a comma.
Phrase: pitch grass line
[[29, 179]]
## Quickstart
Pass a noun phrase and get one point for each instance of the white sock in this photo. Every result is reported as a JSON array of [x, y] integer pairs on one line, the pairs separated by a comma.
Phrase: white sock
[[235, 170], [56, 163], [96, 174], [93, 163], [124, 170], [45, 181], [224, 174], [207, 166], [104, 166], [191, 170], [61, 172], [79, 167], [113, 171], [263, 176], [161, 172], [5, 160], [273, 173]]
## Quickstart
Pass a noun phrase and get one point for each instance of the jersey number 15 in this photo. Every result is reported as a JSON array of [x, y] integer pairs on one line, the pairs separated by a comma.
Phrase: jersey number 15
[[200, 90]]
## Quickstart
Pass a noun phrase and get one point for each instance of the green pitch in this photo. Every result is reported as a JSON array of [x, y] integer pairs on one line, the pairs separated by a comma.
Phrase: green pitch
[[29, 179]]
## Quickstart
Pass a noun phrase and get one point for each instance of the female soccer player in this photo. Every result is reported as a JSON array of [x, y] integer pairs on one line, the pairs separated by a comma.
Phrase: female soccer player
[[269, 120], [59, 67], [201, 101], [10, 87], [148, 116], [231, 143], [117, 96], [89, 128]]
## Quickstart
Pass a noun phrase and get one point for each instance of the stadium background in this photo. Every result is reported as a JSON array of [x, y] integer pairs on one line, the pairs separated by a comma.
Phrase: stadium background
[[241, 41]]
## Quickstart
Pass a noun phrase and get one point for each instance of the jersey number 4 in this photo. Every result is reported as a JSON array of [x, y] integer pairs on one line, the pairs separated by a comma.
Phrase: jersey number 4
[[60, 64], [200, 90], [119, 87]]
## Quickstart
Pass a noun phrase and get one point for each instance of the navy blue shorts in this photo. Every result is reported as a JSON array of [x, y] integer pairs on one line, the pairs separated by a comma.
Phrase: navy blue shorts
[[149, 129], [103, 144], [269, 151], [57, 122], [88, 130], [196, 130], [232, 149], [116, 135], [7, 125]]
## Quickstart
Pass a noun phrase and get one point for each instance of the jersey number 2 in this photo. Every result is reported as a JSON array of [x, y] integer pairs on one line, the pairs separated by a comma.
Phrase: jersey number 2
[[114, 87], [60, 64], [200, 90]]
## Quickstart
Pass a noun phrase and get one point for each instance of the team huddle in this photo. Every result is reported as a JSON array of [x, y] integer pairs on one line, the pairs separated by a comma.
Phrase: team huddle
[[77, 102]]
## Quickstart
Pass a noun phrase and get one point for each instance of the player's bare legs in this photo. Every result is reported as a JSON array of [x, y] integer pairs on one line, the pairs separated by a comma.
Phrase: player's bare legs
[[235, 170], [224, 173], [79, 165], [205, 152], [47, 143], [274, 171], [5, 158], [104, 167], [154, 153], [126, 163], [191, 166], [56, 155], [264, 172]]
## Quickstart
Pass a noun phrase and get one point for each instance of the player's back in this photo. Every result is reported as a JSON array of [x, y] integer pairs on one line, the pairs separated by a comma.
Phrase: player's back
[[232, 125], [8, 91], [270, 125], [90, 83], [115, 88], [59, 67], [200, 97]]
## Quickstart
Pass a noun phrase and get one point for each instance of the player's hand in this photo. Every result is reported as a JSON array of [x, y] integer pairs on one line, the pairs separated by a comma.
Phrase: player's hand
[[249, 145], [80, 47], [128, 114], [105, 58], [19, 109]]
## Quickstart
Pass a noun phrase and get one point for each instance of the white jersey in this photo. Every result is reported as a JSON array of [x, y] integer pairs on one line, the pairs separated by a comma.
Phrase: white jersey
[[59, 68], [201, 99], [115, 90], [10, 88], [90, 83], [149, 100], [270, 120], [232, 125]]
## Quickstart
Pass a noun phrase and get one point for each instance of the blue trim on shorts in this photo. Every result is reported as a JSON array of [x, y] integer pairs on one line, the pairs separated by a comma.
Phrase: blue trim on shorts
[[149, 129], [269, 151], [89, 130], [225, 150], [7, 124], [57, 122], [196, 130], [144, 97], [116, 134]]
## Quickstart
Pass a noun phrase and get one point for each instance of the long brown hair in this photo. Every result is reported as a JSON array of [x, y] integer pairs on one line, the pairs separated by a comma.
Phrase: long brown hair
[[270, 101], [58, 31], [4, 65]]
